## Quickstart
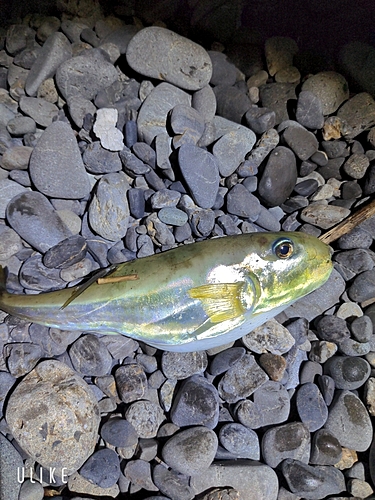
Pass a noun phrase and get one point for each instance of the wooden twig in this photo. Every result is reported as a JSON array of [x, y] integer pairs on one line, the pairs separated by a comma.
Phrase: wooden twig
[[348, 224], [117, 279]]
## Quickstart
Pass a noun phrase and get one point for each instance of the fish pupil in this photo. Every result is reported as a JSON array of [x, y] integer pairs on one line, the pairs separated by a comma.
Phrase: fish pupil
[[283, 249]]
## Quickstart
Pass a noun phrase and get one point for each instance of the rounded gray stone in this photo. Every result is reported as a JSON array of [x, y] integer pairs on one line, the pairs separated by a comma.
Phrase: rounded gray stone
[[190, 451], [231, 149], [242, 203], [55, 50], [181, 365], [311, 406], [159, 53], [201, 173], [85, 74], [330, 87], [240, 441], [279, 176], [33, 217], [348, 372], [131, 382], [56, 166], [8, 190], [90, 356], [349, 421], [10, 461], [40, 110], [291, 440]]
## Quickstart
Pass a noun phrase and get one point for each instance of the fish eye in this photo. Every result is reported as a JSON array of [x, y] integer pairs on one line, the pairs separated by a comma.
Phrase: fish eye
[[283, 248]]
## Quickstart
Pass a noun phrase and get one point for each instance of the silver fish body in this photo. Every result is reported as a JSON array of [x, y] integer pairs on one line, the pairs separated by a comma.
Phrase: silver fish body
[[190, 298]]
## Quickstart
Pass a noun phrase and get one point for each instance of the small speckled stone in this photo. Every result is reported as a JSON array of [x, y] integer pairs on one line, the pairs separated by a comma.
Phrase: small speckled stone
[[181, 365], [102, 468], [90, 356], [332, 328], [48, 434], [359, 113], [324, 216], [330, 87], [190, 451], [165, 198], [291, 440], [270, 337], [145, 417], [131, 382], [240, 441], [10, 461], [22, 357], [356, 165], [109, 209], [349, 421], [362, 328], [241, 380], [196, 403], [311, 407], [268, 141]]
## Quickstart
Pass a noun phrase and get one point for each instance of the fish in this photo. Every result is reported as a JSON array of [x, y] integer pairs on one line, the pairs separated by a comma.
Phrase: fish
[[190, 298]]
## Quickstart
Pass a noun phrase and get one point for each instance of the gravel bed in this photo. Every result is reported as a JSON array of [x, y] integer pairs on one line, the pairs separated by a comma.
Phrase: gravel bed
[[118, 141]]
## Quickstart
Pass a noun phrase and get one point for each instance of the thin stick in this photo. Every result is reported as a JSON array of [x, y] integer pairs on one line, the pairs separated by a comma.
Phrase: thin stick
[[117, 279], [348, 224]]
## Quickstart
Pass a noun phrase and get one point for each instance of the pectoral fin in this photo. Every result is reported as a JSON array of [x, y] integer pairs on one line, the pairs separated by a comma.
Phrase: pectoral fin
[[220, 301]]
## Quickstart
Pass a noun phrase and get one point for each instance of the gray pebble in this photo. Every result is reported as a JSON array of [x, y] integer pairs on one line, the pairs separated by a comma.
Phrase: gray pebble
[[55, 50], [182, 233], [6, 383], [16, 158], [356, 165], [291, 440], [201, 174], [145, 153], [18, 36], [32, 216], [229, 224], [34, 275], [327, 387], [165, 198], [302, 142], [325, 449], [109, 209], [270, 406], [10, 461], [98, 160], [224, 72], [260, 120], [324, 216], [102, 468], [187, 124], [307, 187], [358, 112], [132, 164], [332, 328], [348, 372], [181, 365], [351, 347], [225, 359], [362, 328], [160, 234], [204, 101], [173, 216], [145, 246], [173, 484], [187, 66], [240, 441], [21, 125], [363, 287], [310, 370], [131, 382], [230, 150], [242, 203], [312, 482], [349, 421], [330, 88], [136, 201], [152, 117], [145, 417], [41, 111], [90, 356], [66, 253], [279, 176], [139, 474], [267, 220], [196, 403], [56, 166], [241, 380], [190, 451], [275, 96], [31, 490], [232, 102], [10, 243], [311, 406], [85, 75], [309, 112], [268, 141], [22, 357], [202, 222]]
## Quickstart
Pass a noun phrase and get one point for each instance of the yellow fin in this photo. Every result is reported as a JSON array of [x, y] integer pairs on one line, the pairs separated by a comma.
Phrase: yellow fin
[[220, 301]]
